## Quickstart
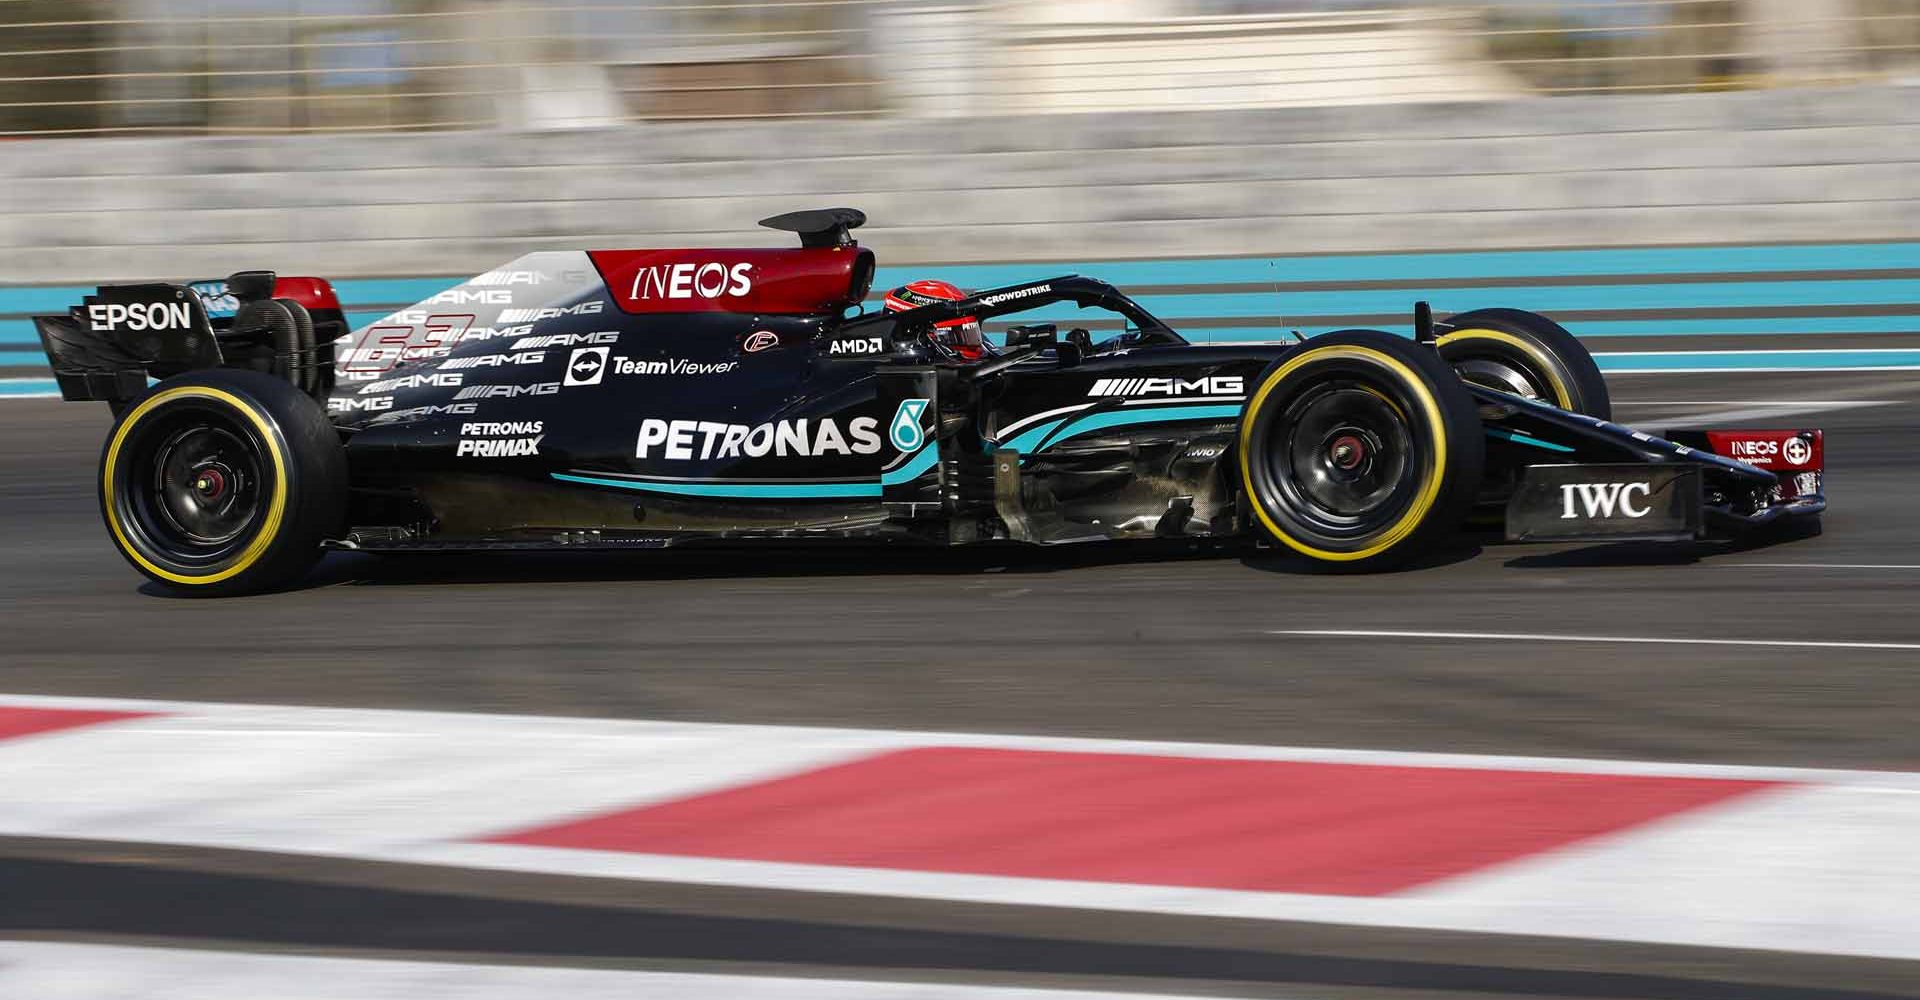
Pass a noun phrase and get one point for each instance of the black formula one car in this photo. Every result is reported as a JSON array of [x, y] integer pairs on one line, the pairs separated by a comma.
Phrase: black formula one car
[[647, 398]]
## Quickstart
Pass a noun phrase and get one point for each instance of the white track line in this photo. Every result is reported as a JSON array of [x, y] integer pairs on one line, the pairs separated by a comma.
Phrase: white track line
[[45, 969], [1782, 369], [202, 719], [1754, 350], [1754, 414], [1542, 637], [1819, 565], [1759, 402]]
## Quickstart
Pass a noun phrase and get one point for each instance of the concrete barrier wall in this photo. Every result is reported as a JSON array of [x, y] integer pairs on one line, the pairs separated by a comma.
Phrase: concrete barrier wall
[[1813, 164]]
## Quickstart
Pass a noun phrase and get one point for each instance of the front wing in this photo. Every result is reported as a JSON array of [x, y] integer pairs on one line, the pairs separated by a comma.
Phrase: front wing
[[1569, 477]]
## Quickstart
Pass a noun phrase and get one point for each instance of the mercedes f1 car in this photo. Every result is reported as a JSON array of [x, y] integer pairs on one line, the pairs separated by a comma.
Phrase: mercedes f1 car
[[650, 398]]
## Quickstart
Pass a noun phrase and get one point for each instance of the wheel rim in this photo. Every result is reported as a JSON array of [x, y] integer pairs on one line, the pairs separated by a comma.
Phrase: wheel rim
[[1501, 374], [1509, 363], [1342, 462], [195, 486]]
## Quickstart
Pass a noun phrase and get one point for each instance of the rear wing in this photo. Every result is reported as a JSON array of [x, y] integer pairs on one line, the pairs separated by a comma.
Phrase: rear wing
[[110, 346], [107, 347]]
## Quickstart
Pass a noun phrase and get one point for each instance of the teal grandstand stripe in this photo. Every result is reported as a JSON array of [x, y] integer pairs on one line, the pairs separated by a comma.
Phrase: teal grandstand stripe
[[395, 290], [1539, 298], [1439, 266], [28, 387], [1770, 326], [1408, 267], [1863, 359], [1825, 286]]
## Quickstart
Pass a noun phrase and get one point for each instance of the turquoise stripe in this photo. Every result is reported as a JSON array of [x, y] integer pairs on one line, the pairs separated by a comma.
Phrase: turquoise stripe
[[401, 290], [50, 299], [358, 319], [921, 461], [1416, 266], [912, 469], [1587, 328], [1518, 438], [1354, 267], [1315, 267], [733, 490], [28, 387], [41, 300], [1772, 326], [1760, 327], [1828, 360], [1027, 439], [1539, 298], [375, 297]]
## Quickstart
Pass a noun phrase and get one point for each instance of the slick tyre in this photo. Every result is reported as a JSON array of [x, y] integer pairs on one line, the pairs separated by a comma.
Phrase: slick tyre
[[1360, 450], [223, 482], [1527, 354]]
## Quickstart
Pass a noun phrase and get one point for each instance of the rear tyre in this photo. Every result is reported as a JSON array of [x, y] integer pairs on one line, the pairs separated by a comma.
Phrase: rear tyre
[[1360, 450], [223, 482], [1526, 354]]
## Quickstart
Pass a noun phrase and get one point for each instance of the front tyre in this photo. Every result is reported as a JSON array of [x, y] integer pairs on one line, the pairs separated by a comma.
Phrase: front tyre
[[1360, 450], [1526, 354], [223, 482]]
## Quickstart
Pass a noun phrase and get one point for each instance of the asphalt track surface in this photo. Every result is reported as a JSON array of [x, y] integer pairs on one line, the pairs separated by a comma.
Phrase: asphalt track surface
[[1115, 642]]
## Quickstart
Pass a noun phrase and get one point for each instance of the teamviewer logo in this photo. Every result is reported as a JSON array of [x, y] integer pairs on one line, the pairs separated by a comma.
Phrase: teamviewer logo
[[587, 366]]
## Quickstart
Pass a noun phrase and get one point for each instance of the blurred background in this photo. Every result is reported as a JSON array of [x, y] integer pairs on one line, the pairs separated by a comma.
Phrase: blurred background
[[227, 67], [381, 137]]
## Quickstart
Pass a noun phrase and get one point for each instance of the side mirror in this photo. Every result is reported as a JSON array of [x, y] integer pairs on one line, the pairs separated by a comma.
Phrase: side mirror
[[1038, 336], [251, 286], [1423, 323]]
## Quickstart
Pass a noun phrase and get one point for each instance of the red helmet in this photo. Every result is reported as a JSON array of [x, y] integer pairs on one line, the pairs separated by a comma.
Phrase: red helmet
[[961, 336]]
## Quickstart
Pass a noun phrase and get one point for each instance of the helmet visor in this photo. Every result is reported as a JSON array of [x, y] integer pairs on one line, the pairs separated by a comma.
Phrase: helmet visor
[[965, 332]]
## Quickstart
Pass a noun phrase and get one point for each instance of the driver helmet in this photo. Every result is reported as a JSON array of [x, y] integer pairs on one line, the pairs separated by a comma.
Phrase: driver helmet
[[960, 336]]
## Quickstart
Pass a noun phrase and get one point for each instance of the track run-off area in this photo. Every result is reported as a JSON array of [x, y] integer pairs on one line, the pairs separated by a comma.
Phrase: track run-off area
[[1680, 771]]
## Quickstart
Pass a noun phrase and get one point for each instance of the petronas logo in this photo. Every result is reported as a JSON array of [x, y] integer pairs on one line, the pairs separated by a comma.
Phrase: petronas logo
[[905, 430]]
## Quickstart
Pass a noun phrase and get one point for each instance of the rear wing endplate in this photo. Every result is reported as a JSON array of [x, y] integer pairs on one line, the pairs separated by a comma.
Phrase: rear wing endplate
[[107, 347]]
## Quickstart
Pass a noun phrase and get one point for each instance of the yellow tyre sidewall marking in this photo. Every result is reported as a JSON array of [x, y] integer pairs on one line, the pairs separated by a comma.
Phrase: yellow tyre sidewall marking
[[1381, 396], [276, 507], [1428, 492], [1563, 398]]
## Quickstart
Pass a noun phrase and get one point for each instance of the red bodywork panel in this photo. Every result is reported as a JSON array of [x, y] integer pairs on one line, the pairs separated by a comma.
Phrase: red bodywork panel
[[787, 282], [1774, 451], [314, 293], [1798, 458]]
